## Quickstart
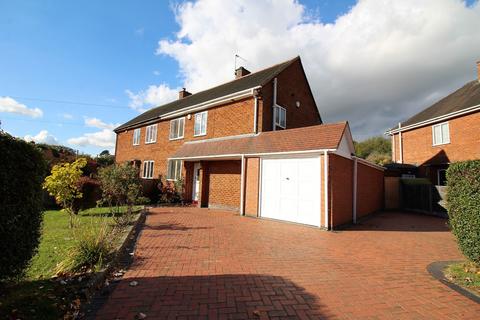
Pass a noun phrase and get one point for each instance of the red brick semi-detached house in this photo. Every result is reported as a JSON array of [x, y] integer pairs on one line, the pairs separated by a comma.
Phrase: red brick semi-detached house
[[446, 132], [256, 145]]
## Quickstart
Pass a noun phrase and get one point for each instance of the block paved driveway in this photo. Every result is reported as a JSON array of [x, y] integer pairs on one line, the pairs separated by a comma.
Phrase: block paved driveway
[[204, 264]]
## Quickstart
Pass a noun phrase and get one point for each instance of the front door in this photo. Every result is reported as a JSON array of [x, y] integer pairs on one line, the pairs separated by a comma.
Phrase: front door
[[196, 182]]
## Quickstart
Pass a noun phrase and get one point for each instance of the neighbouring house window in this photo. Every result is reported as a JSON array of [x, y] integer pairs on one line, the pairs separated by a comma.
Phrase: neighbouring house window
[[442, 177], [441, 133], [280, 117], [148, 169], [151, 134], [136, 137], [174, 169], [177, 128], [200, 128]]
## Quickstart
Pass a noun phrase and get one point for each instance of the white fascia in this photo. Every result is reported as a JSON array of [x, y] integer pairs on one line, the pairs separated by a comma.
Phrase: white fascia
[[211, 103]]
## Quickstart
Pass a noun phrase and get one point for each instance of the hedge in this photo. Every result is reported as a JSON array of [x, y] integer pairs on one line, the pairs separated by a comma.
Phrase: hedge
[[463, 197], [22, 170]]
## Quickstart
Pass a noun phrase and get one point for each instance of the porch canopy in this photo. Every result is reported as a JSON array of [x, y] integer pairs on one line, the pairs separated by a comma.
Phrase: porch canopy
[[324, 137]]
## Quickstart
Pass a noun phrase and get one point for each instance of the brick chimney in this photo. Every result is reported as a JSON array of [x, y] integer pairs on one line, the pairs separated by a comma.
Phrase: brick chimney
[[478, 70], [241, 72], [183, 93]]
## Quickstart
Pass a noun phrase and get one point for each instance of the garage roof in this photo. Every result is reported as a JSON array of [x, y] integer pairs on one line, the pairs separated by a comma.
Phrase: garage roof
[[319, 137], [246, 82]]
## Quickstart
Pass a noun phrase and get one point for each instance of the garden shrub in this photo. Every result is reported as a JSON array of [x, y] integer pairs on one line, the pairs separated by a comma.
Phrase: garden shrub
[[463, 198], [170, 192], [91, 193], [121, 187], [22, 169], [93, 245]]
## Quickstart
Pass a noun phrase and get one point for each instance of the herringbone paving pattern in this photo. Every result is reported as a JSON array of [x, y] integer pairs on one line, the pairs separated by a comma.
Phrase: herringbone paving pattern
[[203, 264]]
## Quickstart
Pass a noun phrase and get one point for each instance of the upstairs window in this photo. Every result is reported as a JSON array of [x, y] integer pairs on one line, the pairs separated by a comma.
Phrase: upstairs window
[[200, 128], [151, 134], [136, 137], [441, 134], [279, 117], [177, 128], [148, 169], [174, 169]]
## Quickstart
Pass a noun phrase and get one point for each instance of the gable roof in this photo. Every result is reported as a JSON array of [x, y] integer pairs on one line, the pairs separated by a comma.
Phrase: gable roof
[[318, 137], [466, 97], [251, 80]]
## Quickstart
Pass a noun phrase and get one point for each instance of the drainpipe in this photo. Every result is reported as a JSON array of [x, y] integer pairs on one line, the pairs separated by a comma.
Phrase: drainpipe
[[274, 102], [400, 143], [355, 165], [242, 186], [255, 114], [325, 187]]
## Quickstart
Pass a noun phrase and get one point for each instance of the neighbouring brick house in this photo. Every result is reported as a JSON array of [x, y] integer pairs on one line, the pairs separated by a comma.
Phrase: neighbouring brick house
[[256, 145], [446, 132]]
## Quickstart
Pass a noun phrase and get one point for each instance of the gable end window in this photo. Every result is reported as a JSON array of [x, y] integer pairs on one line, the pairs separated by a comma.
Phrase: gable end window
[[136, 137], [279, 118], [174, 170], [151, 134], [441, 134], [200, 127], [148, 169], [177, 127]]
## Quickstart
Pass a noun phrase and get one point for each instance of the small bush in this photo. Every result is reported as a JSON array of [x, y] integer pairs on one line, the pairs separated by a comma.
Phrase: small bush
[[93, 245], [91, 193], [22, 169], [463, 198], [170, 191]]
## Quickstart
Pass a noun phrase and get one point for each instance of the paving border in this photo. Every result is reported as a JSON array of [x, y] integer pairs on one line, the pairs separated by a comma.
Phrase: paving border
[[99, 292], [436, 270]]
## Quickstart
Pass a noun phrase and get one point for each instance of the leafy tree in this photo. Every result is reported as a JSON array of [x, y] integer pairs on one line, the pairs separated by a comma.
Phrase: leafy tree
[[104, 153], [63, 184], [376, 149], [121, 187], [22, 170]]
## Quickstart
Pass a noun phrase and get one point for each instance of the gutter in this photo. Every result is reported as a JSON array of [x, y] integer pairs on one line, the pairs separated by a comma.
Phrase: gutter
[[433, 120]]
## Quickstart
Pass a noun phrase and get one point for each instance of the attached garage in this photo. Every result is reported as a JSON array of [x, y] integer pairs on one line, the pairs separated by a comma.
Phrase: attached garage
[[306, 175], [290, 190]]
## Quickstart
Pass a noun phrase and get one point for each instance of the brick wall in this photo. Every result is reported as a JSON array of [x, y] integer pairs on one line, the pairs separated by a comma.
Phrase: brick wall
[[340, 189], [464, 143], [292, 86], [231, 119], [224, 184], [370, 190], [252, 171]]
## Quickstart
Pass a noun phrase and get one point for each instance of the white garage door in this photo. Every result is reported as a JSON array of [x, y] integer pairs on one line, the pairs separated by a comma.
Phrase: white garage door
[[291, 190]]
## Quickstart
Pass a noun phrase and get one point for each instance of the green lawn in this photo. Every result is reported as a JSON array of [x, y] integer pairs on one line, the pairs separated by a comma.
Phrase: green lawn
[[38, 296], [465, 274]]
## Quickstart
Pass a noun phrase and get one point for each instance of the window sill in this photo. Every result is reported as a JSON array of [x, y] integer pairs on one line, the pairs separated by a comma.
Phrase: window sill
[[200, 135], [175, 139], [440, 144], [150, 142]]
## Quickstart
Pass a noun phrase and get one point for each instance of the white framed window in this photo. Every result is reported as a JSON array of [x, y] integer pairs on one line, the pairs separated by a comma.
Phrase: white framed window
[[136, 137], [200, 127], [177, 127], [151, 134], [279, 117], [174, 170], [148, 169], [441, 134]]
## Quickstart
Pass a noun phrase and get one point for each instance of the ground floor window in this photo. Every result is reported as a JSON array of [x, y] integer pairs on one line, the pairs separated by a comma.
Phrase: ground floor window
[[442, 177], [174, 169], [148, 169]]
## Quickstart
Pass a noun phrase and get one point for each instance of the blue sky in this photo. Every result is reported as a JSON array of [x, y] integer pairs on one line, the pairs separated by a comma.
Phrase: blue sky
[[93, 51]]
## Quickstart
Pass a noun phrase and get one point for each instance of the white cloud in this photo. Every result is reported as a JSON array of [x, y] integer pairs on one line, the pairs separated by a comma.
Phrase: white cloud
[[97, 123], [67, 116], [152, 96], [42, 137], [156, 72], [378, 64], [104, 138], [10, 105]]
